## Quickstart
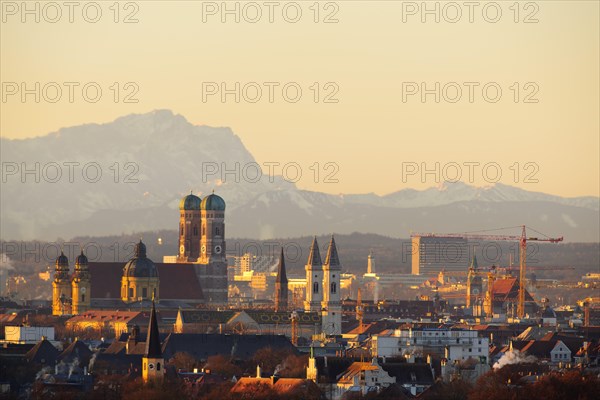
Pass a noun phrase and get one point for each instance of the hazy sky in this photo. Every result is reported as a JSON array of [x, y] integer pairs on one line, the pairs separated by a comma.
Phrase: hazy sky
[[374, 55]]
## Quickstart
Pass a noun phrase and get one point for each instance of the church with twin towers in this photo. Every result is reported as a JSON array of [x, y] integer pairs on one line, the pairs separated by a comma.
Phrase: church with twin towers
[[323, 287]]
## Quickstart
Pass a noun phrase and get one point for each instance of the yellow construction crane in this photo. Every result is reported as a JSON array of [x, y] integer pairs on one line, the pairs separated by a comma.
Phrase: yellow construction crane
[[359, 311], [522, 239], [294, 319]]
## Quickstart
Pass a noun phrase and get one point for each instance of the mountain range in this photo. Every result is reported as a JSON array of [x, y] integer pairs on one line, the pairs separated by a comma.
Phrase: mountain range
[[147, 162]]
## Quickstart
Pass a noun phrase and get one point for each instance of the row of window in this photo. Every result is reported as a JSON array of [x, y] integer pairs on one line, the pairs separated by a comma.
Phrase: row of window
[[131, 292], [316, 287], [209, 215], [195, 231]]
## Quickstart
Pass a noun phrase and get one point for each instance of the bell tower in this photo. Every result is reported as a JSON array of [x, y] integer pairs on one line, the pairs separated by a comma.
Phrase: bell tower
[[81, 286], [61, 286], [153, 363], [281, 286], [474, 284], [189, 229], [331, 305], [314, 279], [212, 242]]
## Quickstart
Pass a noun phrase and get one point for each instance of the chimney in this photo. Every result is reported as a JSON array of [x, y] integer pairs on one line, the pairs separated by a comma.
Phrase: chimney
[[274, 378], [430, 363], [443, 369], [258, 371]]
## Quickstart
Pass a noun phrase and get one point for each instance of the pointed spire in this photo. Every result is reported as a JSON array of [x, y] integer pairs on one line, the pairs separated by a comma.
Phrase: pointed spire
[[314, 257], [281, 272], [332, 254], [153, 348], [474, 262], [140, 250]]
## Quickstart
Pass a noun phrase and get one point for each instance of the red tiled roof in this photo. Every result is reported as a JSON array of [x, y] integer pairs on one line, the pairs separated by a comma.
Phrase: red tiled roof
[[177, 281], [104, 316], [281, 386], [508, 288], [504, 286]]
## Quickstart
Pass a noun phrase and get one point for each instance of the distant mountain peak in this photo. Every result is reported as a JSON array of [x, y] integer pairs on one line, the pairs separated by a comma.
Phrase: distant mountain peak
[[166, 154]]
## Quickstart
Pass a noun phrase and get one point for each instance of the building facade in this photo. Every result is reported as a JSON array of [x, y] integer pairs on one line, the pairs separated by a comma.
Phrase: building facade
[[323, 287], [430, 255], [453, 344]]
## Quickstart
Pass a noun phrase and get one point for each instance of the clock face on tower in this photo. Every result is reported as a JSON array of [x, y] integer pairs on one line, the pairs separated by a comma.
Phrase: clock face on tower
[[150, 366], [203, 249], [218, 249], [181, 249], [83, 290]]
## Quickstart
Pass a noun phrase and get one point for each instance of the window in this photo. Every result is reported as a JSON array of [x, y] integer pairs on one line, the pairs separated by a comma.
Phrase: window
[[203, 230], [181, 230], [333, 287], [217, 231], [413, 377], [316, 287], [158, 366], [145, 292], [195, 230], [130, 292], [83, 298]]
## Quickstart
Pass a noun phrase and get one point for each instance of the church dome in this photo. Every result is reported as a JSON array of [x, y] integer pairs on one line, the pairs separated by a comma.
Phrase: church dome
[[81, 259], [62, 260], [140, 266], [212, 202], [190, 202]]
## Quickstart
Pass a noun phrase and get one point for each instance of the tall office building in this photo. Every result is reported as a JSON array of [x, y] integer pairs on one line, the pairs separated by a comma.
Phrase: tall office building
[[430, 255]]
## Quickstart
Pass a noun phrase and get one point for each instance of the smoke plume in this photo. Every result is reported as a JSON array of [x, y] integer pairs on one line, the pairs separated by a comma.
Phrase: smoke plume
[[514, 357]]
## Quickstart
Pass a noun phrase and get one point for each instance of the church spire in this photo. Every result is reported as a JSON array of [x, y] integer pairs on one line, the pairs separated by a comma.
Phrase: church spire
[[281, 285], [281, 272], [474, 265], [314, 257], [153, 348], [332, 258]]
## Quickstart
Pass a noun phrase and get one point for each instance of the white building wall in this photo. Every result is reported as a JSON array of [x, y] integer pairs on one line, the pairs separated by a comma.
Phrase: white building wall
[[27, 334]]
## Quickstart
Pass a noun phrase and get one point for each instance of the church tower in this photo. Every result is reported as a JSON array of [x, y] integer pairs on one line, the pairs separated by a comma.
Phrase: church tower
[[474, 283], [312, 373], [371, 263], [213, 268], [61, 286], [331, 305], [314, 279], [281, 286], [81, 286], [153, 363], [189, 229], [212, 242]]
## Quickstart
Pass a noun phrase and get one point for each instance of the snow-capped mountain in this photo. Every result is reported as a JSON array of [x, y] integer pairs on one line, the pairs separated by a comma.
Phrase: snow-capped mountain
[[147, 162]]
